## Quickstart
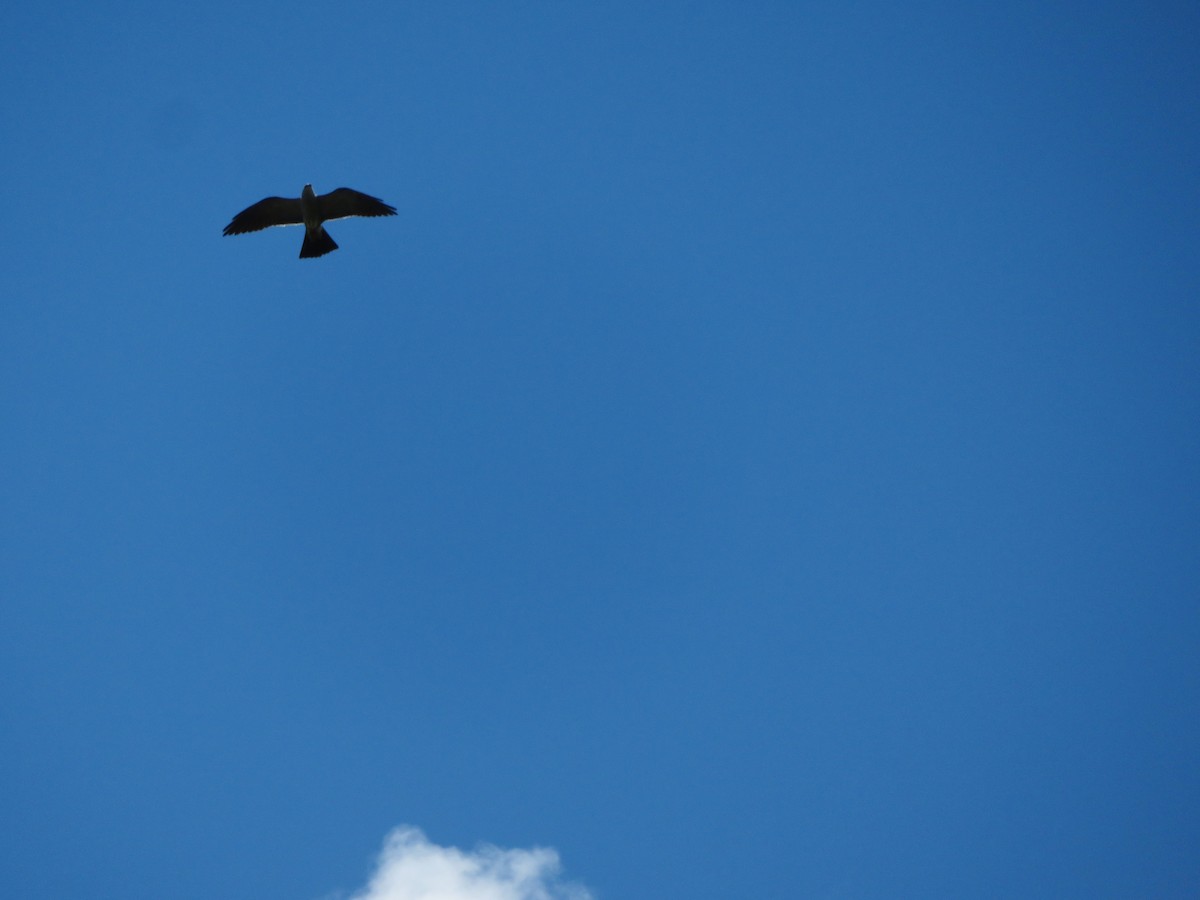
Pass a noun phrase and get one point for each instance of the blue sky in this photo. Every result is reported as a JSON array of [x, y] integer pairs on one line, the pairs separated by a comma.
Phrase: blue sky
[[761, 458]]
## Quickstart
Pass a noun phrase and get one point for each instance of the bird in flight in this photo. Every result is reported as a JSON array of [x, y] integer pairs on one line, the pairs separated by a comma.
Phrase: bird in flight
[[310, 211]]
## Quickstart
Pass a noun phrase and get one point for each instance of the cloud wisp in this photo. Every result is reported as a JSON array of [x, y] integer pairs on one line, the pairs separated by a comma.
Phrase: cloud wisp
[[410, 867]]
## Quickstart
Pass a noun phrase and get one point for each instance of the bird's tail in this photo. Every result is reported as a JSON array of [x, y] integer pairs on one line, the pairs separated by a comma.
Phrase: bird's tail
[[317, 242]]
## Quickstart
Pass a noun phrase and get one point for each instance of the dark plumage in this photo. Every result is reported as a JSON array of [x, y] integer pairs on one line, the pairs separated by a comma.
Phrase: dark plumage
[[310, 211]]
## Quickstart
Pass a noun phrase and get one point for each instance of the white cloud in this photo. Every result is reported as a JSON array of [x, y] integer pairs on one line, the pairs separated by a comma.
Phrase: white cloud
[[412, 868]]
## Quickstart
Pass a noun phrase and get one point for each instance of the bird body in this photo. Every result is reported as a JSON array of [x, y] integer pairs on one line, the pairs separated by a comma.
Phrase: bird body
[[317, 241], [310, 210]]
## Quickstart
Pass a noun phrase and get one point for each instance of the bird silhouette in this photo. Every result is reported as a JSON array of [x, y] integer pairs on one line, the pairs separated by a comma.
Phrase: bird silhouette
[[309, 210]]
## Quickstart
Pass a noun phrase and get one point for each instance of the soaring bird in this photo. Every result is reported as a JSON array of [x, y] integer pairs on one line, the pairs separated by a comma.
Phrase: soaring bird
[[310, 211]]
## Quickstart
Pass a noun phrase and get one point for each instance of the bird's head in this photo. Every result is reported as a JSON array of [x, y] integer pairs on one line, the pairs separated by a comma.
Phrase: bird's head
[[307, 192]]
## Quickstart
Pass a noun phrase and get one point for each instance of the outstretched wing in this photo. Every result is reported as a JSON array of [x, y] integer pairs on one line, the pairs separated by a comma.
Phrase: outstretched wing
[[345, 202], [264, 214]]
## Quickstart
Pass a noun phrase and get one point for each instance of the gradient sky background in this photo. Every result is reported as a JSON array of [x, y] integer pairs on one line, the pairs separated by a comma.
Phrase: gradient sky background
[[761, 459]]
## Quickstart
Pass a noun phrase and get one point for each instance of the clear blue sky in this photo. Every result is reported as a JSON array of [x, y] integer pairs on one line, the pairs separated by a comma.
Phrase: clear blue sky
[[761, 458]]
